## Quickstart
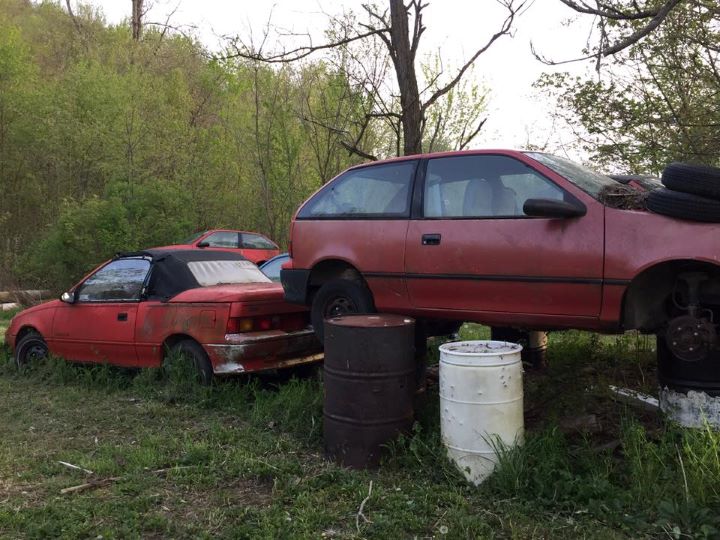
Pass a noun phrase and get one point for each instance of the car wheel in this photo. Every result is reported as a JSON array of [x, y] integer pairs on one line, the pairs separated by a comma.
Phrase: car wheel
[[681, 375], [693, 179], [339, 297], [683, 205], [187, 359], [30, 347]]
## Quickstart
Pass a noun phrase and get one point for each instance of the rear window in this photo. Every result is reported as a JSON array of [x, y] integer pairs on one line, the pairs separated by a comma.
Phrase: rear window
[[255, 241], [379, 191], [209, 273]]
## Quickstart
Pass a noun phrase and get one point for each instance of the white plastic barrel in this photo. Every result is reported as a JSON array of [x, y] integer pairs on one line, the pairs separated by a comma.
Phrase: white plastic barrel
[[481, 403]]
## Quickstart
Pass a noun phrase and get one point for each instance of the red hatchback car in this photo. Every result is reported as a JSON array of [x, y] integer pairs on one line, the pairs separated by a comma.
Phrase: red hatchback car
[[253, 246], [505, 238], [216, 308]]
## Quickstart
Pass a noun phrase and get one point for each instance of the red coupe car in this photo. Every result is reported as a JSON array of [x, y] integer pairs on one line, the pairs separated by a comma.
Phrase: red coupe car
[[213, 307], [253, 246]]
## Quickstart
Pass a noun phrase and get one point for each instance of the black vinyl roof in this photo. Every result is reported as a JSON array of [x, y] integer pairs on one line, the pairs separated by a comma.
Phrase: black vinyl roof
[[170, 274]]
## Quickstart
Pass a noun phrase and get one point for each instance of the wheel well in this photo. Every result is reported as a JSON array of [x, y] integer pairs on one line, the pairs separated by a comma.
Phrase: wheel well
[[645, 303], [173, 340], [23, 332], [332, 269]]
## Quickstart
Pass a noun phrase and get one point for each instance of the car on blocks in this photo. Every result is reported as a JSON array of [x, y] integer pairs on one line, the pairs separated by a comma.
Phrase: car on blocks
[[519, 240], [215, 309]]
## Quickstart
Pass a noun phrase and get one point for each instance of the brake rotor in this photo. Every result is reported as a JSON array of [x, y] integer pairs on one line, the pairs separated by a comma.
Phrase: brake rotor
[[690, 338]]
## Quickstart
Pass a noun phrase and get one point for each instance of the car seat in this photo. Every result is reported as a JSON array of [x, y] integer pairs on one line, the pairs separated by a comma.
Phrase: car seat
[[478, 199], [504, 201]]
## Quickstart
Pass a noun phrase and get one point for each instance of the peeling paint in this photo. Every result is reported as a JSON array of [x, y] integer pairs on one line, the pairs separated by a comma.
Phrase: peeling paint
[[694, 409], [229, 367]]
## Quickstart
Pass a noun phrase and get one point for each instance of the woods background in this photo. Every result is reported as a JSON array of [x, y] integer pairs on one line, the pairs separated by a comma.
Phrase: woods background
[[111, 140]]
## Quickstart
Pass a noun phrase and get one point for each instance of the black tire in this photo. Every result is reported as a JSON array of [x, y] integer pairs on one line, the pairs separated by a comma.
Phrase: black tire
[[30, 347], [683, 206], [693, 179], [197, 359], [339, 297]]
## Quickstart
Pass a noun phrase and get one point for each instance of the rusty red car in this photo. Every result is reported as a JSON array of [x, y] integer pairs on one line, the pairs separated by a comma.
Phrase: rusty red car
[[254, 246], [505, 238], [214, 308]]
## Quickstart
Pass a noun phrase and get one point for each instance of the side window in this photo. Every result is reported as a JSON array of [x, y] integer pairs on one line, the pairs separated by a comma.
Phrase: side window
[[255, 241], [224, 239], [119, 280], [376, 190], [483, 186]]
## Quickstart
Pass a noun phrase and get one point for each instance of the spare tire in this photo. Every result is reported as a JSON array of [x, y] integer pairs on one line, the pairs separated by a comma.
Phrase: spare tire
[[683, 205], [694, 179]]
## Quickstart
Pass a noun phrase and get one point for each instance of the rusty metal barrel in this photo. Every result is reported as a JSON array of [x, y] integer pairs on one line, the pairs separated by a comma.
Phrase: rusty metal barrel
[[369, 379]]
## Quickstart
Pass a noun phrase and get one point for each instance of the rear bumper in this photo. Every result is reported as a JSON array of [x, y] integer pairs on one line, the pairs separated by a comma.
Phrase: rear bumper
[[257, 351], [295, 284]]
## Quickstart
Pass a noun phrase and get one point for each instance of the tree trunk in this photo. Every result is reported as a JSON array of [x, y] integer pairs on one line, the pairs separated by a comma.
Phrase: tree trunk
[[137, 14], [404, 60]]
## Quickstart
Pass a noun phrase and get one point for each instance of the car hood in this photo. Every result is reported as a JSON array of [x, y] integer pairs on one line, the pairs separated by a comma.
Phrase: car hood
[[245, 292], [40, 307]]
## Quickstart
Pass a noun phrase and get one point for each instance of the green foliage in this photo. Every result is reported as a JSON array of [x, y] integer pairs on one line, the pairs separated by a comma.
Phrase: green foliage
[[653, 104], [108, 144]]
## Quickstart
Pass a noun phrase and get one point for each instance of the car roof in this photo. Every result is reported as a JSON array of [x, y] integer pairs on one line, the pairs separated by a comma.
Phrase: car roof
[[184, 255], [452, 153], [170, 275]]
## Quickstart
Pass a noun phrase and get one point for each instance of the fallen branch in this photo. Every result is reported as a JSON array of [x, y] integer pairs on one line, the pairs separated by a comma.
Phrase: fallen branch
[[90, 485], [71, 466], [101, 482], [362, 507]]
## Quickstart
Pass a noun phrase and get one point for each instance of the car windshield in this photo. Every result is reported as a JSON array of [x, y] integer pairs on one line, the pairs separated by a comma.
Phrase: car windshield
[[209, 273], [193, 238], [586, 179]]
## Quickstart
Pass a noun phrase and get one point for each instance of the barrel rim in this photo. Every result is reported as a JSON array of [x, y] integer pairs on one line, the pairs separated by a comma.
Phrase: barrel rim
[[371, 320], [514, 348]]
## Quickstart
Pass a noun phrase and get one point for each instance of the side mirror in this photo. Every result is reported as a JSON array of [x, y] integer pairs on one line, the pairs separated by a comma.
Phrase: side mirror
[[68, 297], [552, 208], [203, 244]]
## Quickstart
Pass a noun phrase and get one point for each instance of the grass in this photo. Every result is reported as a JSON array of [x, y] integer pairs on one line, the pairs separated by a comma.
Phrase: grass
[[243, 459]]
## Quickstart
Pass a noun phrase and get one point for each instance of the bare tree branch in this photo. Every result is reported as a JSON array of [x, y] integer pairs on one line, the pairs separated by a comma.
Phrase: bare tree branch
[[471, 136], [355, 150], [299, 52], [504, 30]]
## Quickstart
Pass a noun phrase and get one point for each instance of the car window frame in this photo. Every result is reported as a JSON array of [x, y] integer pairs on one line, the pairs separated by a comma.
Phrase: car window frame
[[418, 206], [205, 239], [241, 242], [78, 288], [365, 217]]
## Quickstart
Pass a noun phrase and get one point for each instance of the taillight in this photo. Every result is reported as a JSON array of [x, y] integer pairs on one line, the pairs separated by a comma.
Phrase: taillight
[[290, 248], [290, 322]]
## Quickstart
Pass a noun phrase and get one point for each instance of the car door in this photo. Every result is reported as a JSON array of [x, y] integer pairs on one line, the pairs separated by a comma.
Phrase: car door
[[100, 325], [473, 249]]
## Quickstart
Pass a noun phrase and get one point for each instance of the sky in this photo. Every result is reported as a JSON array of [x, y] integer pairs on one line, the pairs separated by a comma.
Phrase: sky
[[517, 113]]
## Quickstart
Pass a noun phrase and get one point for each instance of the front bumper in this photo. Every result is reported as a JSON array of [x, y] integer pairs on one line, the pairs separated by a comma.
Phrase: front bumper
[[258, 351]]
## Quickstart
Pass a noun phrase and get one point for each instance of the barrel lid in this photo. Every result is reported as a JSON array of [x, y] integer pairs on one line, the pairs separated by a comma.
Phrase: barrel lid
[[377, 320], [480, 348]]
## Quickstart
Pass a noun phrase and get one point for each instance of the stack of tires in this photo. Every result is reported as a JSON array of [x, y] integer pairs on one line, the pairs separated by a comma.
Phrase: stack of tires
[[691, 192]]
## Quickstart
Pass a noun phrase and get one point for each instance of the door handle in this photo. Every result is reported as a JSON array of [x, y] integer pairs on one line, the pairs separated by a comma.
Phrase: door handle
[[430, 239], [122, 316]]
